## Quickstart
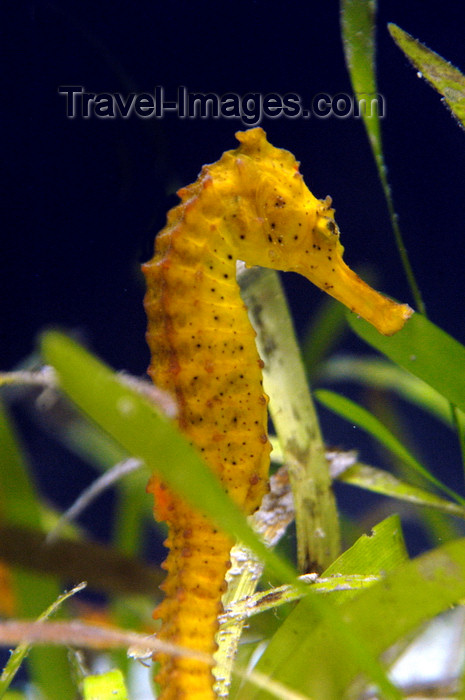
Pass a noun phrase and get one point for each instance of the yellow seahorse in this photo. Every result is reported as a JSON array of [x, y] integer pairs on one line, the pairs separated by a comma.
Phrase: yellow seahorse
[[251, 205]]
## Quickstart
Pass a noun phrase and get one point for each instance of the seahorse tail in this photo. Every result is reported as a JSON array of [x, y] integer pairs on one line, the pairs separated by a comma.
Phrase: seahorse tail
[[196, 566]]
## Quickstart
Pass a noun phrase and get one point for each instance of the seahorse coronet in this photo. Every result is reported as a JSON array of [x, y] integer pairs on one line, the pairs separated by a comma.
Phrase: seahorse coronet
[[251, 205]]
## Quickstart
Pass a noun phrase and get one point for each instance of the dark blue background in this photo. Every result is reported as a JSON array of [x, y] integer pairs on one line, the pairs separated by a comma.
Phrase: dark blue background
[[84, 198]]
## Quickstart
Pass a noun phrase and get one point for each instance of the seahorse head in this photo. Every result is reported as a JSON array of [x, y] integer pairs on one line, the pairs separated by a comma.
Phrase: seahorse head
[[289, 229]]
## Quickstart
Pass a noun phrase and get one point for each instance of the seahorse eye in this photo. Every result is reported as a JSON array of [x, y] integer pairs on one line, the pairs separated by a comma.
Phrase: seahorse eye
[[326, 227], [331, 226]]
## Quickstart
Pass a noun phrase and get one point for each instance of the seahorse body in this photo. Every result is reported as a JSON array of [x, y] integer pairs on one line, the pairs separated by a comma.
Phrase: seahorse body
[[251, 205]]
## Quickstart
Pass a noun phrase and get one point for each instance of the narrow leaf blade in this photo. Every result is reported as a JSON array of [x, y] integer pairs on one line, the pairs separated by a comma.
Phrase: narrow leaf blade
[[442, 75], [32, 592], [147, 434], [426, 351], [358, 415], [379, 481], [381, 374], [358, 36]]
